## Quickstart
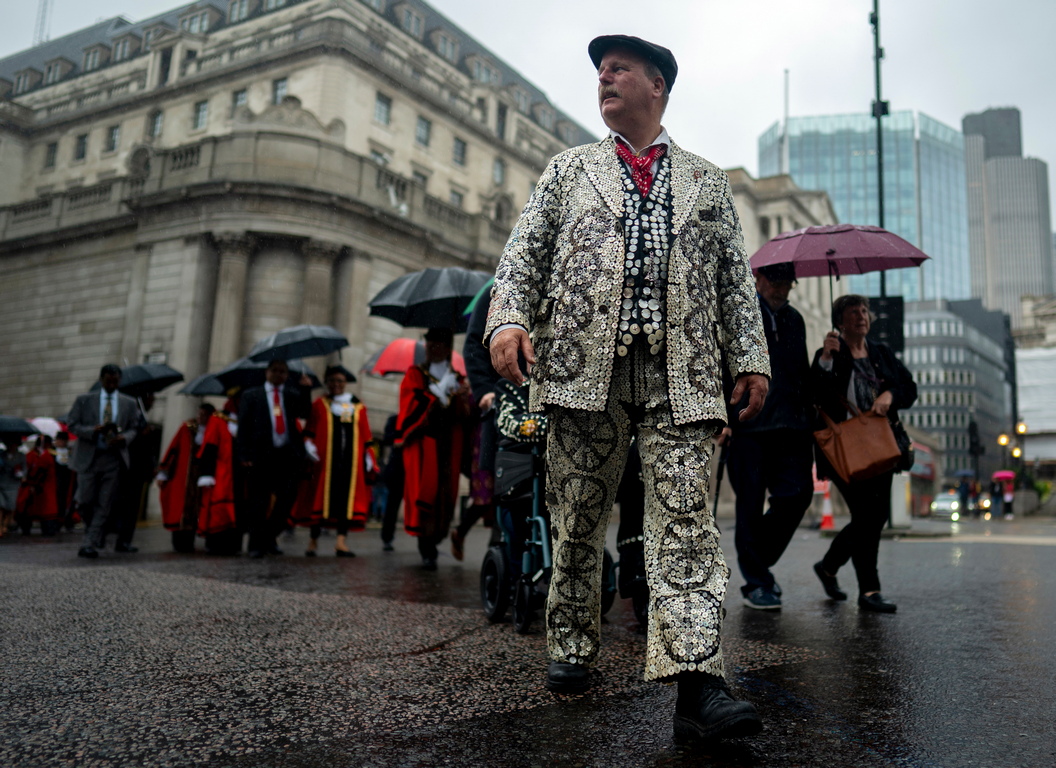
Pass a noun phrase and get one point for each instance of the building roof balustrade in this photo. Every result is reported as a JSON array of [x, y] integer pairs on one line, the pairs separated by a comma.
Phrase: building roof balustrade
[[266, 164]]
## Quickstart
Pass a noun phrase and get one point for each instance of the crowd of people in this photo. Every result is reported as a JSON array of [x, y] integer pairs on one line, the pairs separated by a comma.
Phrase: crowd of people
[[625, 298]]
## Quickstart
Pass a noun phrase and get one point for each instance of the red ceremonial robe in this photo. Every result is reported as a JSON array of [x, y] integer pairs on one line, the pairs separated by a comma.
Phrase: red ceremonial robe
[[315, 506], [432, 438], [179, 494], [217, 511], [38, 496]]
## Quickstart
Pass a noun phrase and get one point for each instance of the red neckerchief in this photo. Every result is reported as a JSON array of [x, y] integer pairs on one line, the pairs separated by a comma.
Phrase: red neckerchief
[[641, 166]]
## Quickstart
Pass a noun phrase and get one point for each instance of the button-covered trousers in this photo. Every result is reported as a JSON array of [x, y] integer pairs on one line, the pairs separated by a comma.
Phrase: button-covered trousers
[[685, 569]]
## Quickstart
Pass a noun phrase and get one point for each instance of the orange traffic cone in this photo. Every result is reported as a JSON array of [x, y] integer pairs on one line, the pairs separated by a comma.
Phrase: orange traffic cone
[[827, 523]]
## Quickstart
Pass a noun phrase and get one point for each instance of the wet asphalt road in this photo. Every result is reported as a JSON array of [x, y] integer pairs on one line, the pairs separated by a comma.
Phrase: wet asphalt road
[[158, 659]]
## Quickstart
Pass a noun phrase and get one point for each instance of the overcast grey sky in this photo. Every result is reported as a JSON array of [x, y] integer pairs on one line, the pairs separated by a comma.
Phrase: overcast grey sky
[[943, 58]]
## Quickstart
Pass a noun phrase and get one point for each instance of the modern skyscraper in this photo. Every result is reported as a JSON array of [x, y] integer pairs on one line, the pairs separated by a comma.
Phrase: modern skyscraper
[[924, 189], [1010, 234]]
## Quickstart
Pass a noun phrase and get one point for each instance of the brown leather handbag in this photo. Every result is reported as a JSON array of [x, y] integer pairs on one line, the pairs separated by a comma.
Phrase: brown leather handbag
[[862, 447]]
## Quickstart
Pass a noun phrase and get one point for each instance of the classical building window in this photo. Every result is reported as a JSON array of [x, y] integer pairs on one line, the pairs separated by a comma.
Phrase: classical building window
[[379, 157], [568, 133], [456, 198], [50, 153], [271, 5], [52, 73], [199, 22], [446, 46], [524, 101], [498, 171], [420, 178], [382, 109], [238, 11], [154, 123], [239, 99], [412, 22], [545, 116], [113, 138], [278, 90], [121, 50], [80, 147], [458, 152], [483, 72], [22, 82], [91, 60], [500, 121], [423, 132], [201, 115]]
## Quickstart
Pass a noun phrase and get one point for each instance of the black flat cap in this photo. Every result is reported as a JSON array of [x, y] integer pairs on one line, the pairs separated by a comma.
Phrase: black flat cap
[[657, 54], [779, 272]]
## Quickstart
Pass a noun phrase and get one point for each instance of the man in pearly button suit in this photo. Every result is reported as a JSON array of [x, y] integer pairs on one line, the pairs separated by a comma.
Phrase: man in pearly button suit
[[627, 268]]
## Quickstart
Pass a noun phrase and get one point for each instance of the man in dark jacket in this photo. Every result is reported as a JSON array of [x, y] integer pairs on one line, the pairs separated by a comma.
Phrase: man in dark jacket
[[270, 447], [774, 451]]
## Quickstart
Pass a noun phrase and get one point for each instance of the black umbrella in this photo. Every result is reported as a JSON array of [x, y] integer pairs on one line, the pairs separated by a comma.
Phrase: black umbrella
[[432, 298], [16, 425], [241, 374], [298, 341], [145, 378]]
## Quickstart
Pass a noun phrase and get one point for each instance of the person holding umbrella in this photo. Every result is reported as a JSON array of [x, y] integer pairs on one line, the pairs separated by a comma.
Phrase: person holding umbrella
[[270, 447], [851, 369], [337, 439], [434, 408]]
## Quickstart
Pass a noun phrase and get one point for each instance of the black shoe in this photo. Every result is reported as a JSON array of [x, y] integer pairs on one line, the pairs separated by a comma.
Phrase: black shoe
[[274, 551], [832, 587], [706, 710], [762, 599], [256, 554], [777, 589], [344, 553], [88, 552], [429, 565], [562, 677], [119, 547], [876, 602], [387, 547], [309, 553]]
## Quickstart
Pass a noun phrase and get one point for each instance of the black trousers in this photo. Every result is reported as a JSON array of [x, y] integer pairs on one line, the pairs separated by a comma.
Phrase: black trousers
[[859, 541], [275, 472], [778, 461], [393, 479]]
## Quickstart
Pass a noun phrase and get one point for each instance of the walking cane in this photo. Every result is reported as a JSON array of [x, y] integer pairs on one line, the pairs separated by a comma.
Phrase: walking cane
[[718, 480]]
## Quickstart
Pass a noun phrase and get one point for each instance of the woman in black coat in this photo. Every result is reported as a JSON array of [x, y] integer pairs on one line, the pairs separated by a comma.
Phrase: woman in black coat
[[851, 369]]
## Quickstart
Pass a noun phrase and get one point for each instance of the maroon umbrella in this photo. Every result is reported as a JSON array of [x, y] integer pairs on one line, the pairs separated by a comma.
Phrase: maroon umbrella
[[838, 249]]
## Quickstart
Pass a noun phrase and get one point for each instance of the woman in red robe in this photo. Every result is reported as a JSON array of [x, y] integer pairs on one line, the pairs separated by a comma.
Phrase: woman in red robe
[[217, 521], [177, 480], [337, 439], [38, 497], [434, 407]]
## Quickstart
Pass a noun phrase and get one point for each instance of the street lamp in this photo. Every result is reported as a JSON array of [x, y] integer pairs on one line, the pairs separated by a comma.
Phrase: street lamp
[[1021, 428], [1017, 452], [1002, 440]]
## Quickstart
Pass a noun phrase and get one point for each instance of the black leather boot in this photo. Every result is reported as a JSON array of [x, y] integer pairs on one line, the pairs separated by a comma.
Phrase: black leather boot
[[562, 677], [706, 710]]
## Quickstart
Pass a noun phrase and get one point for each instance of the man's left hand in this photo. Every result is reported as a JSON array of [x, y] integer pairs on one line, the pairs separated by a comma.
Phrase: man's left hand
[[756, 385]]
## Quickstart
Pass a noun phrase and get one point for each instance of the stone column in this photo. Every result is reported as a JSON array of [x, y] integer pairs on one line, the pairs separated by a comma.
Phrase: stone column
[[234, 249], [319, 258]]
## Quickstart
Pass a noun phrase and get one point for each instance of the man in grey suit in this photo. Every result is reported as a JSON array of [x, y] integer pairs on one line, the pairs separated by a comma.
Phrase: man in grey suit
[[104, 422]]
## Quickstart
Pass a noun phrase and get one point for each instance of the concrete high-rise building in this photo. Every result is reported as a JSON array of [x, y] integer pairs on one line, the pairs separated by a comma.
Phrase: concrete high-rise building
[[958, 353], [1010, 233], [177, 188], [924, 189]]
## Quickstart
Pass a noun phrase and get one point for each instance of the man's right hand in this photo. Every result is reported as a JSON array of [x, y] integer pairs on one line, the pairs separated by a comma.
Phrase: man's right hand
[[504, 348]]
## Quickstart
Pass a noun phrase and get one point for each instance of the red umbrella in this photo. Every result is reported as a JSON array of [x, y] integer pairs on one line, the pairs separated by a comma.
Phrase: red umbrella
[[400, 354], [839, 249], [1004, 474]]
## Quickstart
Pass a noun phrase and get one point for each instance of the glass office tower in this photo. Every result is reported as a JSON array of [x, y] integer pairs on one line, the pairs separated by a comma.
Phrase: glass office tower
[[924, 189]]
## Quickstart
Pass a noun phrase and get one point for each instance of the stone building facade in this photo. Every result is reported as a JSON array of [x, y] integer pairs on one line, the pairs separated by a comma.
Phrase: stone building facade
[[178, 188]]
